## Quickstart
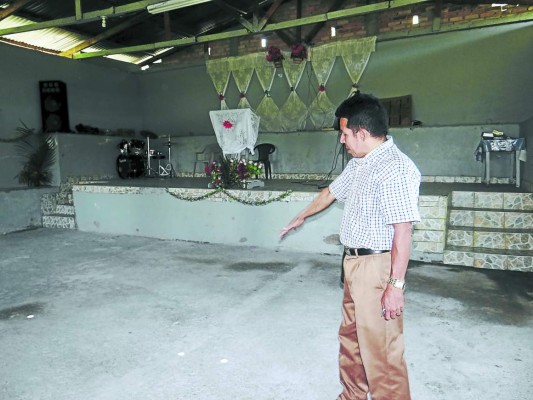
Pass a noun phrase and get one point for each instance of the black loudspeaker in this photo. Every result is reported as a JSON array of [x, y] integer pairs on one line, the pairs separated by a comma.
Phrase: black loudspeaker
[[54, 107]]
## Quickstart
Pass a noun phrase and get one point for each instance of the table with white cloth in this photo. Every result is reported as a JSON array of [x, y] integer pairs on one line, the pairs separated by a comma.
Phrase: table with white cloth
[[236, 130], [515, 146]]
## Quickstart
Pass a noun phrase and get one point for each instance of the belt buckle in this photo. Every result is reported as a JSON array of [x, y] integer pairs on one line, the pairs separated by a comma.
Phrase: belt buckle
[[348, 251]]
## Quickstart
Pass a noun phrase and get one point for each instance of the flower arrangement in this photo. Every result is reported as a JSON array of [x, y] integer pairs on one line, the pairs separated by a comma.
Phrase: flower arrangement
[[298, 52], [274, 54], [230, 172]]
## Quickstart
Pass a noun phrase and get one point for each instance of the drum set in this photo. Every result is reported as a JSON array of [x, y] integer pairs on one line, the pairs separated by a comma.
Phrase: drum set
[[134, 161]]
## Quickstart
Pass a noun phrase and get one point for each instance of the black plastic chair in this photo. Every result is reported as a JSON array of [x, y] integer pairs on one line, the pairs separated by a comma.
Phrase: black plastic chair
[[264, 151]]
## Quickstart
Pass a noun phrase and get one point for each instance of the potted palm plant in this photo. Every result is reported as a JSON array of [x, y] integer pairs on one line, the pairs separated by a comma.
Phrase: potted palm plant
[[38, 151]]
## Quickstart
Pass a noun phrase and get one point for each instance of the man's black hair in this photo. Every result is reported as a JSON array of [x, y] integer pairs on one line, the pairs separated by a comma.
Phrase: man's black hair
[[363, 111]]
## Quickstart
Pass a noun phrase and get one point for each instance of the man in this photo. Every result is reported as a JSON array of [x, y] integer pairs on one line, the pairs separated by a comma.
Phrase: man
[[380, 188]]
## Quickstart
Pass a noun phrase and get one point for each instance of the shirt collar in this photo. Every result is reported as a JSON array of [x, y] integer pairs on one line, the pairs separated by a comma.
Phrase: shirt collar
[[376, 152]]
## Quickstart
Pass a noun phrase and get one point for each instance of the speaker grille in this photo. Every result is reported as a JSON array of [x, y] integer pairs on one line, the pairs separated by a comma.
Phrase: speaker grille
[[54, 107]]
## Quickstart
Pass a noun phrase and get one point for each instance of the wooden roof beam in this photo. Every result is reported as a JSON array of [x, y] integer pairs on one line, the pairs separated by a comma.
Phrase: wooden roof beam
[[6, 12], [104, 35], [311, 35], [348, 13], [85, 17]]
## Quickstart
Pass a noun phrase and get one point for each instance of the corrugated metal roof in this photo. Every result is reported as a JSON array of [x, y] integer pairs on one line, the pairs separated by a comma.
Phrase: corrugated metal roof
[[57, 40], [183, 23]]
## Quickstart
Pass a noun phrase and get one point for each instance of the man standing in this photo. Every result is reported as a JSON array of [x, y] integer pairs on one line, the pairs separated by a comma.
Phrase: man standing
[[380, 188]]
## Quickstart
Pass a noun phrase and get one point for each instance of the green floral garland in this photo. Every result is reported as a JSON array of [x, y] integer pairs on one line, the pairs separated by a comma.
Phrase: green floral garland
[[228, 194]]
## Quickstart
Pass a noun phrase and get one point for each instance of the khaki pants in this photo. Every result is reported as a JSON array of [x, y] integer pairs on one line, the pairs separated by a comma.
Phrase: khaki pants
[[371, 348]]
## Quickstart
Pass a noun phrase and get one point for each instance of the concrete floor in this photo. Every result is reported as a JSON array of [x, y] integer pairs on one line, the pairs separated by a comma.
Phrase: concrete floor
[[117, 317]]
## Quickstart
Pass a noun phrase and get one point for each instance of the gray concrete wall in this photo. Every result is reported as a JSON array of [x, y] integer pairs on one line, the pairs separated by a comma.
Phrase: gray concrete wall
[[21, 209], [206, 221], [87, 155], [437, 151], [99, 94], [477, 77]]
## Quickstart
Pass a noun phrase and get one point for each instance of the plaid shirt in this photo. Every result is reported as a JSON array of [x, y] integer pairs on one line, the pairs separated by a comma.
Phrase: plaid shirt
[[378, 190]]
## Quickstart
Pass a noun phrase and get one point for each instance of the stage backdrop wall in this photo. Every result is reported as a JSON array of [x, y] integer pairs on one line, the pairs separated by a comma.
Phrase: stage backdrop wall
[[477, 77], [98, 94], [437, 151]]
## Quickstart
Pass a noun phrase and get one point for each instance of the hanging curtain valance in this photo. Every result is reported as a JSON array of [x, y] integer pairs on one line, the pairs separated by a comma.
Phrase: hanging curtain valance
[[355, 54]]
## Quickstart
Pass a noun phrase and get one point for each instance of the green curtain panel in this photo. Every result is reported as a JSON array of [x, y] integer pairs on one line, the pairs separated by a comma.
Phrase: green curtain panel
[[293, 114]]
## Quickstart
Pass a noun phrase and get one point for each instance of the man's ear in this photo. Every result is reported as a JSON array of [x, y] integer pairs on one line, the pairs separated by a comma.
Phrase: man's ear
[[363, 134]]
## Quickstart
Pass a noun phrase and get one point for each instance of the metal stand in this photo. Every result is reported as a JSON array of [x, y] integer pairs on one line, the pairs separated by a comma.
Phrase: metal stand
[[149, 170], [168, 170], [161, 171]]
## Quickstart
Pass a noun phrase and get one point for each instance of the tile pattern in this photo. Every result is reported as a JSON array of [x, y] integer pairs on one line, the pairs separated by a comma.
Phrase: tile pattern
[[518, 220], [490, 261], [465, 258], [425, 178], [426, 257], [58, 209], [460, 237], [489, 240], [48, 203], [491, 230], [519, 241], [465, 179], [463, 199], [518, 201], [315, 177], [55, 221], [461, 218], [65, 209], [429, 235], [488, 219], [488, 200], [520, 263]]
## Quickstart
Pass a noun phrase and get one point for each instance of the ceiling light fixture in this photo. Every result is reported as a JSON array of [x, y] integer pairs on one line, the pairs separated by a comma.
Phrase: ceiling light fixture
[[333, 31], [145, 67], [416, 20], [263, 42], [159, 61], [104, 21], [501, 5], [172, 5]]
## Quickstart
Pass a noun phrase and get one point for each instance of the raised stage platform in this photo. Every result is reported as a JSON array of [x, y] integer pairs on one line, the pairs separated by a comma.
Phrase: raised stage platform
[[470, 224]]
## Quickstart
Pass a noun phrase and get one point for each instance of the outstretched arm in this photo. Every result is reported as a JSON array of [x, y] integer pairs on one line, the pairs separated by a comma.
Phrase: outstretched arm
[[321, 202]]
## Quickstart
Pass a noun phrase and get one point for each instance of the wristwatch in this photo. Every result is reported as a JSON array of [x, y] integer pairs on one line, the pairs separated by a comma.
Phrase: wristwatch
[[397, 283]]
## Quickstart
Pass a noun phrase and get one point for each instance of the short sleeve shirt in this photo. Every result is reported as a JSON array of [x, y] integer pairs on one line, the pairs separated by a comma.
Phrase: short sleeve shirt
[[378, 190]]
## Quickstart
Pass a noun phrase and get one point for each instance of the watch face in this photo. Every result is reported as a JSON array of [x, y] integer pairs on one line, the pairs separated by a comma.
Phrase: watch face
[[396, 283]]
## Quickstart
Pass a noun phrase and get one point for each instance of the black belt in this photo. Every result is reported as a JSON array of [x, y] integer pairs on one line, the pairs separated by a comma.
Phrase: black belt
[[362, 252]]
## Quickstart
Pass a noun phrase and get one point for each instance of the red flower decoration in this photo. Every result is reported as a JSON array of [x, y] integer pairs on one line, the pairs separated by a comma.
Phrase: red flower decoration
[[274, 54], [322, 88], [298, 50], [242, 96], [227, 124]]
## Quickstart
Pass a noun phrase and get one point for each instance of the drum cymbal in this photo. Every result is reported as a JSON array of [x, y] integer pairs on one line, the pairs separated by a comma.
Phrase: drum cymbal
[[148, 135]]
